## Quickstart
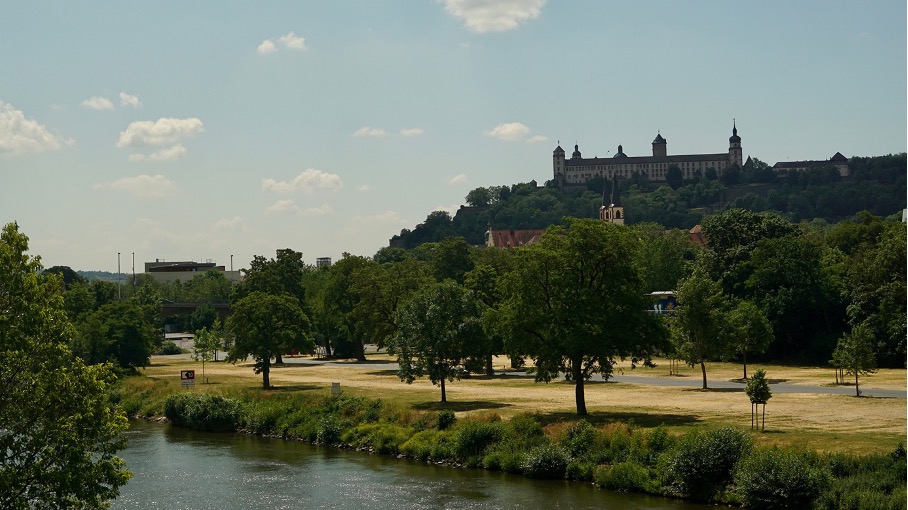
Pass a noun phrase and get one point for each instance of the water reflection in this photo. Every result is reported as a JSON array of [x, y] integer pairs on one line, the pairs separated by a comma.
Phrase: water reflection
[[178, 468]]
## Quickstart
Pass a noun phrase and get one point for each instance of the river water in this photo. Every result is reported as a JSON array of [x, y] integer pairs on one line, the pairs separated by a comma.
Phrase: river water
[[177, 468]]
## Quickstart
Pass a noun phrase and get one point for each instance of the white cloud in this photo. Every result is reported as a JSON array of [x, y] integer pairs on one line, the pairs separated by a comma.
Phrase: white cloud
[[293, 41], [168, 154], [369, 131], [146, 186], [283, 207], [411, 132], [457, 179], [537, 139], [308, 181], [493, 15], [364, 187], [317, 211], [129, 100], [229, 223], [19, 135], [266, 47], [509, 131], [163, 131], [98, 103], [382, 218]]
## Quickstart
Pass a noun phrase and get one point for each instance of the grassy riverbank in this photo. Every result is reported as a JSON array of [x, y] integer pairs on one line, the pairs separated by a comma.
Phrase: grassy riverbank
[[636, 438]]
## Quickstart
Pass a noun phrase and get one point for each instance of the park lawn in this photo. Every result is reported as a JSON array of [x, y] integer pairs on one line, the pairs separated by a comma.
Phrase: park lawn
[[821, 422]]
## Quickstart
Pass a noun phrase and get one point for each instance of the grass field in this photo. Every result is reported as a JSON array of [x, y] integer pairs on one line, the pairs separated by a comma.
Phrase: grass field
[[821, 422]]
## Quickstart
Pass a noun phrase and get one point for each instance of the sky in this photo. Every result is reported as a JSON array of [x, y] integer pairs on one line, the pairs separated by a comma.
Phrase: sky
[[217, 131]]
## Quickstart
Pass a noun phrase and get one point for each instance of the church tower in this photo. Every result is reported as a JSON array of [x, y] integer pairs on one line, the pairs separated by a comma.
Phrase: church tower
[[660, 146], [735, 154], [614, 212], [558, 164]]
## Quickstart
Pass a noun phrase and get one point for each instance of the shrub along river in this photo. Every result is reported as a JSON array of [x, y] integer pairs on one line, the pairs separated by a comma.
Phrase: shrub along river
[[181, 468]]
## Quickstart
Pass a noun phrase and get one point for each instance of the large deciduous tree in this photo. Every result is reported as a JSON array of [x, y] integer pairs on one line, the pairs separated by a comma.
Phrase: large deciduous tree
[[440, 334], [59, 433], [701, 326], [264, 325], [575, 304], [751, 332]]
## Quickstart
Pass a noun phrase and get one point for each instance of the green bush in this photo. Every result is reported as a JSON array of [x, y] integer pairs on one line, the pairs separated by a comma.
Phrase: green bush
[[383, 438], [474, 437], [774, 478], [623, 476], [168, 348], [871, 482], [579, 439], [419, 445], [579, 470], [201, 411], [702, 465], [546, 461], [329, 431], [446, 418]]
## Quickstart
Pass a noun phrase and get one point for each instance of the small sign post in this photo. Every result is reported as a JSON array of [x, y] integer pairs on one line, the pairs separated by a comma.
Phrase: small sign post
[[187, 378]]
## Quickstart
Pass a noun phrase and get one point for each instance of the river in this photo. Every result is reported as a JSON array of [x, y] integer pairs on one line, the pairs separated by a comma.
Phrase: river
[[177, 468]]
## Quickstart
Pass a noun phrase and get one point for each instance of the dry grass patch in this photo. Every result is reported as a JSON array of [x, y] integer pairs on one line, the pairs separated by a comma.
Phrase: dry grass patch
[[818, 421]]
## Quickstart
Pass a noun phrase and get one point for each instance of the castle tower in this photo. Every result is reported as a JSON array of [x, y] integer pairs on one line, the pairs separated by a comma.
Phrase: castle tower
[[735, 154], [660, 146], [614, 212], [558, 164]]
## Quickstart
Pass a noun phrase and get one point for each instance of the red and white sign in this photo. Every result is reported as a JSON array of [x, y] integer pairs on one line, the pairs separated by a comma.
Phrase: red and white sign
[[187, 377]]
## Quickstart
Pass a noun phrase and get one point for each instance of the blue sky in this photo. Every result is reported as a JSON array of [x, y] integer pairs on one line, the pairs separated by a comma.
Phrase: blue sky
[[201, 130]]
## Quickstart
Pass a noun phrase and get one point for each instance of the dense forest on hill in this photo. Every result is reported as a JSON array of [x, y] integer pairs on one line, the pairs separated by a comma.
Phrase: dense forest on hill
[[876, 184]]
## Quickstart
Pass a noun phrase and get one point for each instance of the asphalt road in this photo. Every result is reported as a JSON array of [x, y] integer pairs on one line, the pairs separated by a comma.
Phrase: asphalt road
[[690, 382]]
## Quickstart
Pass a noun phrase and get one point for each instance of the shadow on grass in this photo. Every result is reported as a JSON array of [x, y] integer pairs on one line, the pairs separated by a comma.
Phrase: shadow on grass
[[606, 417], [383, 373], [472, 405], [295, 387], [716, 390]]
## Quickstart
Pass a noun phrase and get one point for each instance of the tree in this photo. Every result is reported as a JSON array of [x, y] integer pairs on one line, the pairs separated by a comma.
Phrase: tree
[[121, 332], [379, 290], [854, 353], [701, 326], [338, 303], [440, 335], [751, 332], [757, 390], [204, 317], [58, 430], [479, 197], [205, 348], [673, 177], [575, 304], [265, 325], [70, 277]]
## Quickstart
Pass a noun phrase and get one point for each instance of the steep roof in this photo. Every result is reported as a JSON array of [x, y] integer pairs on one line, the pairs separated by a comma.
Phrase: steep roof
[[514, 238]]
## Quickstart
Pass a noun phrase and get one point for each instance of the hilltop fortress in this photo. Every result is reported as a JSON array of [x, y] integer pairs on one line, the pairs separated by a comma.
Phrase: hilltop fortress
[[577, 170]]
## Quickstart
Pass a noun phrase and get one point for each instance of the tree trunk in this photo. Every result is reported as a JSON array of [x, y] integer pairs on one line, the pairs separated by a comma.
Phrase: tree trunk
[[444, 397], [764, 417], [266, 369], [359, 350], [278, 359], [490, 370], [857, 391], [577, 374], [745, 364], [703, 369]]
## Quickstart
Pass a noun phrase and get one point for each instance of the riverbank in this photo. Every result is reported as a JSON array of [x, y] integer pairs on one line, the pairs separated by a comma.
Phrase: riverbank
[[508, 423], [840, 423]]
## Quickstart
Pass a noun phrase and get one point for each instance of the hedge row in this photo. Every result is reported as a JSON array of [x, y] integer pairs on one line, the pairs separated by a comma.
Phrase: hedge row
[[711, 465]]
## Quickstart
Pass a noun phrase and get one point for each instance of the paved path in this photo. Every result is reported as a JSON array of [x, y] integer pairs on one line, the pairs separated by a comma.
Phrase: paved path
[[690, 382]]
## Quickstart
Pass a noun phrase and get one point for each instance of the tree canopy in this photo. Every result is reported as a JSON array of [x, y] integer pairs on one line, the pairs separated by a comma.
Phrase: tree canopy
[[58, 430], [575, 304]]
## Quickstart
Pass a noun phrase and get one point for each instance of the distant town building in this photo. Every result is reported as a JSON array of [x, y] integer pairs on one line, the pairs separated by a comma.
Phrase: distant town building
[[184, 271], [576, 171], [837, 161], [323, 262]]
